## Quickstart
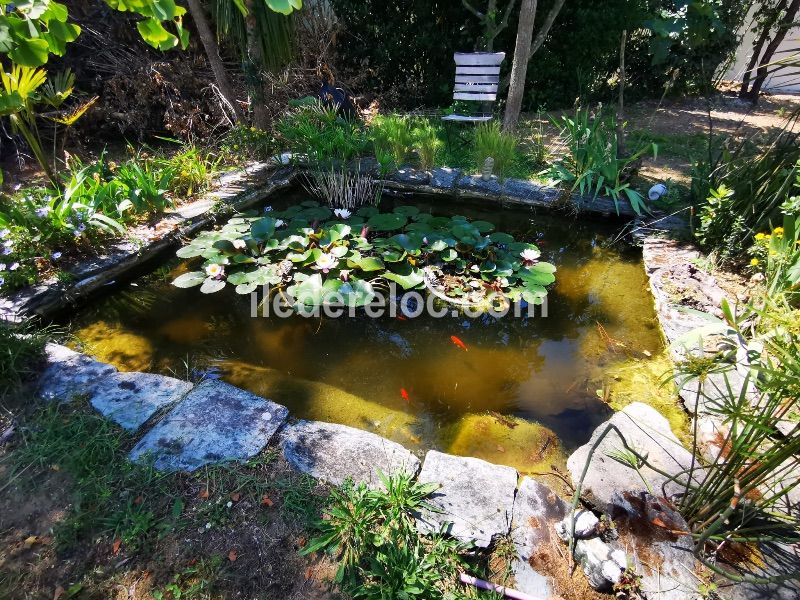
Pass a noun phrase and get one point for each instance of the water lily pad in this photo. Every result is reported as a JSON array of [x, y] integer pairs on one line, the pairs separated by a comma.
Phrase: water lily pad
[[498, 237], [211, 285], [483, 226], [190, 279], [406, 211], [262, 228], [407, 277], [367, 211], [387, 221]]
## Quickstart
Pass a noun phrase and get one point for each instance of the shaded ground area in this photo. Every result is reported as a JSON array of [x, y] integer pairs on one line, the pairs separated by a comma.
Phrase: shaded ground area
[[77, 520]]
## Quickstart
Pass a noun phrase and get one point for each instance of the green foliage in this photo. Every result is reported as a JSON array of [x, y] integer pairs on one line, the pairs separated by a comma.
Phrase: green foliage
[[757, 181], [374, 535], [693, 37], [21, 351], [319, 256], [244, 143], [592, 164], [321, 134], [391, 135], [190, 169], [489, 141]]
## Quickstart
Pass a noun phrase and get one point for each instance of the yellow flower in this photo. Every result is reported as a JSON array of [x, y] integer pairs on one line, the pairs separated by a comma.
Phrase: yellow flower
[[778, 231], [773, 253], [760, 236], [754, 262]]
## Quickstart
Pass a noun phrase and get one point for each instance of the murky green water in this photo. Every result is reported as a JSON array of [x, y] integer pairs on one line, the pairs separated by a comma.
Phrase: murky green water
[[523, 393]]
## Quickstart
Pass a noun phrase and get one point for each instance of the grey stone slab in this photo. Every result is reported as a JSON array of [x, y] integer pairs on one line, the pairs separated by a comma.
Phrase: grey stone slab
[[335, 453], [530, 192], [130, 399], [69, 374], [663, 559], [537, 509], [444, 177], [410, 176], [474, 185], [646, 431], [215, 422], [476, 498]]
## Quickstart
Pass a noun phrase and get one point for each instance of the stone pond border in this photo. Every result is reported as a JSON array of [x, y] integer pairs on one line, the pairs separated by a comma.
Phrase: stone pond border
[[478, 500]]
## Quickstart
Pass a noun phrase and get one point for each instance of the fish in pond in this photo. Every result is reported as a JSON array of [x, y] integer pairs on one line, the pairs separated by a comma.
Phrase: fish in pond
[[404, 395], [458, 343]]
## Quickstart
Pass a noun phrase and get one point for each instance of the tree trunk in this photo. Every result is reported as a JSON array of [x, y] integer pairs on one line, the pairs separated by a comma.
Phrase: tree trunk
[[254, 62], [621, 99], [527, 14], [212, 52], [763, 70], [540, 37], [757, 48]]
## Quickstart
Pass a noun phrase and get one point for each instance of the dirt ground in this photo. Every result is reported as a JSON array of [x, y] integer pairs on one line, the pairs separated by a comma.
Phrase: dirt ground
[[680, 126]]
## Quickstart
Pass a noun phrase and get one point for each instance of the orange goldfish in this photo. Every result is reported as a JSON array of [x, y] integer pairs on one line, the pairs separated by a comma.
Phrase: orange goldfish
[[404, 395], [458, 343]]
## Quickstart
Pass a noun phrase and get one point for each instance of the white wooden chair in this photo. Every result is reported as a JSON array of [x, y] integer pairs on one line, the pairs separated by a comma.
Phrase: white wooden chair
[[477, 80]]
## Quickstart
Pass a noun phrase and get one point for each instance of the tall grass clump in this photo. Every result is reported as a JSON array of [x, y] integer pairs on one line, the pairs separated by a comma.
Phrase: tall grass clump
[[392, 137], [427, 143], [322, 134], [593, 164], [21, 354], [490, 141], [381, 554]]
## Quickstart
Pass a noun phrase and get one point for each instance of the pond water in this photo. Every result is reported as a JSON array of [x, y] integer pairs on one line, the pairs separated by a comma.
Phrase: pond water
[[524, 392]]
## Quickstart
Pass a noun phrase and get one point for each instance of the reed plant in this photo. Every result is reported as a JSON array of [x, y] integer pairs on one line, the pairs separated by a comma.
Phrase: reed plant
[[489, 141]]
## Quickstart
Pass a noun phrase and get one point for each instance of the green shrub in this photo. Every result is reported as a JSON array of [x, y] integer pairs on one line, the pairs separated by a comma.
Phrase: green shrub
[[489, 141], [247, 143], [758, 181], [321, 134], [21, 352], [191, 169], [592, 164]]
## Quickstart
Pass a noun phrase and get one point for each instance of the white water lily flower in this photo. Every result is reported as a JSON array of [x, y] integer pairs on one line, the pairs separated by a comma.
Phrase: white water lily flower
[[326, 262], [529, 255], [239, 244], [342, 213], [215, 270], [279, 223]]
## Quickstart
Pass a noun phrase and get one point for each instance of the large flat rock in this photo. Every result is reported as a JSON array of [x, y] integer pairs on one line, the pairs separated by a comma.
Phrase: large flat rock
[[69, 374], [646, 431], [336, 453], [537, 509], [216, 422], [476, 498], [130, 399]]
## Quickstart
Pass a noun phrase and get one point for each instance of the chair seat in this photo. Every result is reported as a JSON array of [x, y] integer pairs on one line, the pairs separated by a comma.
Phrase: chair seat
[[467, 118]]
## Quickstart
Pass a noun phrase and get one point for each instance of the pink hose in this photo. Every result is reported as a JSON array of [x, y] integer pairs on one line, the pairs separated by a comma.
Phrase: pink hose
[[485, 585]]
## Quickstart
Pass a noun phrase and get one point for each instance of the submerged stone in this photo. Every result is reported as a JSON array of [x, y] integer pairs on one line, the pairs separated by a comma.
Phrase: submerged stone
[[476, 498], [115, 344], [317, 401], [648, 433], [130, 399], [214, 423], [507, 440], [69, 374], [336, 453]]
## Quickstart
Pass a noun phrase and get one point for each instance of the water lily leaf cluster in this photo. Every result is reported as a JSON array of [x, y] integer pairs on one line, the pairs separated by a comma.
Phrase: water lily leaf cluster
[[316, 255]]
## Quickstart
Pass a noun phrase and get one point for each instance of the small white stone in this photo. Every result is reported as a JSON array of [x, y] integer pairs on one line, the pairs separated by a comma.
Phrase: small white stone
[[585, 523], [619, 557], [611, 571]]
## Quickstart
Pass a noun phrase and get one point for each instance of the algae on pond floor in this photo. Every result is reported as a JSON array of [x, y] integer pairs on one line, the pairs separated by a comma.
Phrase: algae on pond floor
[[115, 345]]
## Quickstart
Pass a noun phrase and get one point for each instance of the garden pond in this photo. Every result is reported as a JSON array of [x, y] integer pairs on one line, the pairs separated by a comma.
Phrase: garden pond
[[522, 391]]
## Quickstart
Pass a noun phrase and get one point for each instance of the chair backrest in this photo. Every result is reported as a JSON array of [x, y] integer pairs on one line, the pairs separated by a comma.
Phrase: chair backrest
[[477, 75]]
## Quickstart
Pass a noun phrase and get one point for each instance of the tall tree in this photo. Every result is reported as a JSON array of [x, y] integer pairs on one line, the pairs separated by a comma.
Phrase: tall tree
[[212, 52], [783, 26], [253, 64], [522, 47], [765, 24], [488, 19], [540, 36]]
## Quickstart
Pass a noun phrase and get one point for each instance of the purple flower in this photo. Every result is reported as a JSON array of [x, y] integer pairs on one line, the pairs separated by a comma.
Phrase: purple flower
[[82, 227], [4, 233], [2, 266], [267, 209], [55, 255], [6, 251], [14, 266], [42, 212], [76, 233], [2, 281], [8, 243]]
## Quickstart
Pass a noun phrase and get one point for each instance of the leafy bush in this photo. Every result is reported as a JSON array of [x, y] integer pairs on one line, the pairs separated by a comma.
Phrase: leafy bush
[[758, 180], [319, 256], [248, 143], [322, 134], [490, 141], [374, 535], [592, 163], [191, 170]]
